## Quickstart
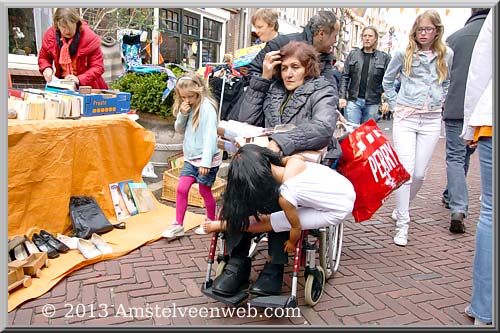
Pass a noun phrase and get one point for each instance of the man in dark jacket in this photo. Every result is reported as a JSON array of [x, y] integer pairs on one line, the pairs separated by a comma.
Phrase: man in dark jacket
[[455, 195], [361, 85]]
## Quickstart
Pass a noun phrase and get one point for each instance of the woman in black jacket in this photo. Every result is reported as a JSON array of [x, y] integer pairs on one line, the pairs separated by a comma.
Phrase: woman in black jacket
[[299, 96]]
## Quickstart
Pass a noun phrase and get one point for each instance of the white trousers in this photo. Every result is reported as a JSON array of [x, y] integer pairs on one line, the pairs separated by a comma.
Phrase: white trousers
[[415, 138]]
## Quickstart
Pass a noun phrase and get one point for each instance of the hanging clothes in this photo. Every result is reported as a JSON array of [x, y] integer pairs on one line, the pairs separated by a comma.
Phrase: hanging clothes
[[131, 49]]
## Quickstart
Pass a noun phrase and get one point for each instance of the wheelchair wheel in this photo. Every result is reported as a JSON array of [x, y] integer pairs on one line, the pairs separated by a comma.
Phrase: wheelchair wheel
[[220, 268], [314, 287], [330, 248]]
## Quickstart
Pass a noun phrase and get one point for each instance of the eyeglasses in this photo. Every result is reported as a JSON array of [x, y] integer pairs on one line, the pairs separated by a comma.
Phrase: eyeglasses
[[426, 29]]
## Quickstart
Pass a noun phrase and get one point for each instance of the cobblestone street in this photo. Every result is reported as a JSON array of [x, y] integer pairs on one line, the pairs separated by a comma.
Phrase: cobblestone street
[[427, 283]]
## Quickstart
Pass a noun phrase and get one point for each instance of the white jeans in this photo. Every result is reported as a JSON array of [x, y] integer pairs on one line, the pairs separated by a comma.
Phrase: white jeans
[[415, 138]]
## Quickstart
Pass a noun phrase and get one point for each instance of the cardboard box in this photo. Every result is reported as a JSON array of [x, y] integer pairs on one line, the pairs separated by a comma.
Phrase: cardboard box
[[106, 102]]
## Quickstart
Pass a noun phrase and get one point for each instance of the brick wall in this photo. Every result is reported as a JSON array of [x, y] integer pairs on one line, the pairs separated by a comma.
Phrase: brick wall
[[27, 81]]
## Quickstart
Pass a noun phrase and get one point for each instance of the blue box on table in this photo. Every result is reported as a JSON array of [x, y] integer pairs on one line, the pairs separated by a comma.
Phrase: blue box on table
[[103, 103]]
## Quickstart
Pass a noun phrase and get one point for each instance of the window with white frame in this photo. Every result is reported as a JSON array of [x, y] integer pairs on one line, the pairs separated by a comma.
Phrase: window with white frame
[[212, 38], [180, 31], [22, 39]]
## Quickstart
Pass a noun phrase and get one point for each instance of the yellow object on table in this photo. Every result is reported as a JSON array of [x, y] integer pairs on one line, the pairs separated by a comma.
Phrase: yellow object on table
[[51, 160]]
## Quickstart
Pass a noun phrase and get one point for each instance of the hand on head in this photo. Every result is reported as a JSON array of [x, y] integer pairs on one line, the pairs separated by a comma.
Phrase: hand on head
[[271, 60]]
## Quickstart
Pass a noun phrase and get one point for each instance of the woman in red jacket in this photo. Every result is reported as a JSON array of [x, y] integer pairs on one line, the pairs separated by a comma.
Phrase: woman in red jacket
[[74, 49]]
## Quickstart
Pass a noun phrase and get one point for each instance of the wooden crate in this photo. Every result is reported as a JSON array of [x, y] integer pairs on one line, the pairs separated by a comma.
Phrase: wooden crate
[[171, 180]]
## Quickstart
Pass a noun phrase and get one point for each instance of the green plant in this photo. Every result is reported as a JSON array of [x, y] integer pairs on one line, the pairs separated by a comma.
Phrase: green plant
[[147, 91]]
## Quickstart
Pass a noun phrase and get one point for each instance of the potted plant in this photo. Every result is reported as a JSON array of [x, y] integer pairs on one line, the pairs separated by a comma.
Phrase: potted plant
[[18, 35]]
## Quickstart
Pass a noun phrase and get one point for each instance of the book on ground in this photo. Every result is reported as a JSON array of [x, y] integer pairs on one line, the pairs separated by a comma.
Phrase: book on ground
[[127, 196], [143, 197], [118, 202]]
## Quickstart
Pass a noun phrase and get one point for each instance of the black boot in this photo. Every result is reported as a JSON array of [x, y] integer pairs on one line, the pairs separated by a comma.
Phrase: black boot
[[234, 277], [270, 280]]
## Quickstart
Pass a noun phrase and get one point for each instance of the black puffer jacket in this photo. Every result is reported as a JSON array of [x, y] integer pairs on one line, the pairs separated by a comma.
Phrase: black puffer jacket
[[311, 108]]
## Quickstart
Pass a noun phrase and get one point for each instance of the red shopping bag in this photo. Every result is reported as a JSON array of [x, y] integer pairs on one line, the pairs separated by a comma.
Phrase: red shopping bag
[[372, 166]]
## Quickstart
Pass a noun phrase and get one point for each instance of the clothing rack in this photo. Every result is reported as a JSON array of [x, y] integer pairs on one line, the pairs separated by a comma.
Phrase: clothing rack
[[227, 72]]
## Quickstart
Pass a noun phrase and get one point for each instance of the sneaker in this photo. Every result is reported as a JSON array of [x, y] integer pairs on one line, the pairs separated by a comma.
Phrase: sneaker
[[401, 238], [478, 322], [175, 230], [394, 216], [200, 230], [468, 312], [101, 244]]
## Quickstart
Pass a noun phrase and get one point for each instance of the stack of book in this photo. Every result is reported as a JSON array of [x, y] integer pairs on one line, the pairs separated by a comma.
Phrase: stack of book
[[131, 198], [36, 104]]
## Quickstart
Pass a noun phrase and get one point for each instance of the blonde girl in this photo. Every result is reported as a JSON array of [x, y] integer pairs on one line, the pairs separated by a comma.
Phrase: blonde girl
[[424, 69], [196, 118]]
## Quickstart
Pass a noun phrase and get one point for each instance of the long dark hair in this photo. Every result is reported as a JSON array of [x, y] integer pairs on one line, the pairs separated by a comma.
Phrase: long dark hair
[[251, 188]]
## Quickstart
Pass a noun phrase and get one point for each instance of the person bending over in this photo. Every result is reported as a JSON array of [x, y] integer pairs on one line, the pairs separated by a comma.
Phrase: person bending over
[[266, 192]]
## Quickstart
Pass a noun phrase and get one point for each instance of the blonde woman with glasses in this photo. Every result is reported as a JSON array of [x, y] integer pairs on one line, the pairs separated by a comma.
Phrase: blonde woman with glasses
[[424, 68]]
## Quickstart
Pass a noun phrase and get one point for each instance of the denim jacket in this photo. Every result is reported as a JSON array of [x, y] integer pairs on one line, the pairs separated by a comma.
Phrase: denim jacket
[[202, 142], [422, 85]]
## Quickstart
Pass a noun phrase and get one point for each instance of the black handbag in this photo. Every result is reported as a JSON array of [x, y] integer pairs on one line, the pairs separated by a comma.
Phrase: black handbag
[[87, 217]]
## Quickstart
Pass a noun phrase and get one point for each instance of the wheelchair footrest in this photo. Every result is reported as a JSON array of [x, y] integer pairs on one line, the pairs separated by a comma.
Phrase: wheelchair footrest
[[273, 302], [230, 300]]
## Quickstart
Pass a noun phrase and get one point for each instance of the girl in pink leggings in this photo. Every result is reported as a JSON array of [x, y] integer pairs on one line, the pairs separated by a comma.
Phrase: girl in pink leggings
[[196, 115]]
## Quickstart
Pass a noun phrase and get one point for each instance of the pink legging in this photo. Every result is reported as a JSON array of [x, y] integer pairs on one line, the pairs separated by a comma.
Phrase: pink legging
[[185, 183]]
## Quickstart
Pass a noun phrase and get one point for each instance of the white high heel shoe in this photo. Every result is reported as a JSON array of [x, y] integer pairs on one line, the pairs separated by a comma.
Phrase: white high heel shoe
[[101, 244], [87, 248]]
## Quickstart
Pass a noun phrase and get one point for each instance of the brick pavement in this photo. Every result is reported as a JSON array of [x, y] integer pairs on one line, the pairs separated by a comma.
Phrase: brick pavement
[[427, 283]]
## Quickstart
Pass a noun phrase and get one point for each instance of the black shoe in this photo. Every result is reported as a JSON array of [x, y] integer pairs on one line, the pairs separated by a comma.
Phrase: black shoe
[[54, 242], [445, 202], [44, 246], [314, 232], [457, 223], [270, 280], [234, 277]]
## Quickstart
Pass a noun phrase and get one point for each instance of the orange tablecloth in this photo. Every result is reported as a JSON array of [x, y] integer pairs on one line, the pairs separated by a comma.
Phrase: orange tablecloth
[[52, 160], [49, 161]]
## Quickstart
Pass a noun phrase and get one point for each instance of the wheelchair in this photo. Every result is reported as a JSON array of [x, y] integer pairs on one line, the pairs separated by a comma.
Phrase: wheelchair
[[326, 241]]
